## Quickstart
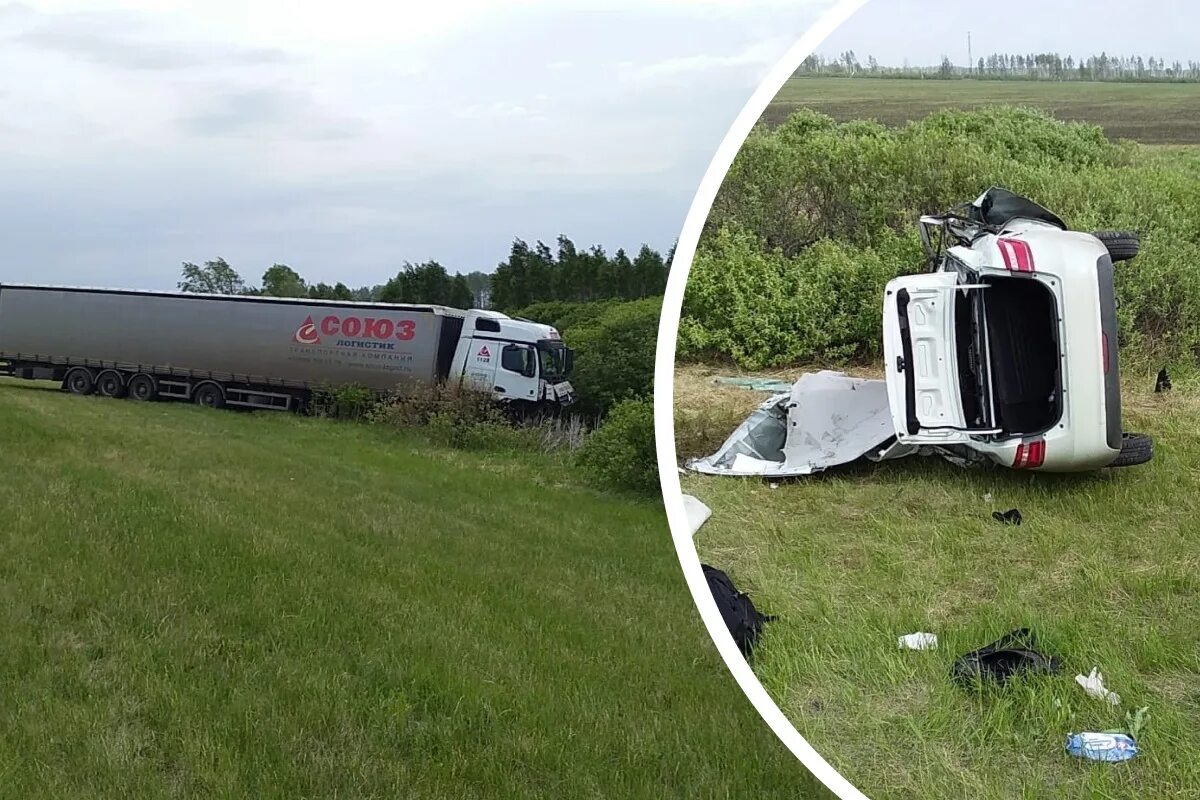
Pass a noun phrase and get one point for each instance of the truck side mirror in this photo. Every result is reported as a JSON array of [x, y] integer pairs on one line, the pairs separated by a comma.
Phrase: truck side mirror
[[530, 363]]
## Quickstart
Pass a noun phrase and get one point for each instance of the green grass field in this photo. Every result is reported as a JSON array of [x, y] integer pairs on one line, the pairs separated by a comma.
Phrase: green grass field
[[1150, 113], [1105, 568], [218, 604]]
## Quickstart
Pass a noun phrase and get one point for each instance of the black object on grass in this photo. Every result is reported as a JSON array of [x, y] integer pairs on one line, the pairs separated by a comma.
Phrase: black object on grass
[[1163, 382], [743, 620], [1010, 517], [1012, 654]]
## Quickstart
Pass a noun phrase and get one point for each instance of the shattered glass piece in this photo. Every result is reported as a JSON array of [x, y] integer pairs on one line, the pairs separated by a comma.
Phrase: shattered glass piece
[[773, 385]]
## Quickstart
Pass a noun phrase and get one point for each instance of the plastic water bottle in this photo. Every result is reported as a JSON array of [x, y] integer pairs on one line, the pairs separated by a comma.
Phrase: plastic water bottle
[[1102, 746]]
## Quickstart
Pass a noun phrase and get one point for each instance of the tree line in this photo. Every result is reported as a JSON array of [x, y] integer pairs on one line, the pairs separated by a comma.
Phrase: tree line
[[1014, 66], [538, 274], [528, 275]]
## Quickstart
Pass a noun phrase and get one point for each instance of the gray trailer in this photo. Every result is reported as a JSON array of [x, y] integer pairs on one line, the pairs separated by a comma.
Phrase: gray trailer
[[217, 350]]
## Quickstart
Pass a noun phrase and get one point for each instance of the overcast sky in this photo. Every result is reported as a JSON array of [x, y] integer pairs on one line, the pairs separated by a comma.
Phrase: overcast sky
[[136, 134], [923, 31]]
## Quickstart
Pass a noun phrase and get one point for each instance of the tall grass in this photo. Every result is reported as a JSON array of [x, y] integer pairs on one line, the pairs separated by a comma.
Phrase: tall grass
[[212, 604], [1104, 568]]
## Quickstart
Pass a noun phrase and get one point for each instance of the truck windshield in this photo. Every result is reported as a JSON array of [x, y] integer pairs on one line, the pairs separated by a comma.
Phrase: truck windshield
[[553, 358]]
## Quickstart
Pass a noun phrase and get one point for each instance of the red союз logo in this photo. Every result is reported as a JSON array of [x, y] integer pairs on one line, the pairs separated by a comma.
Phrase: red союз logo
[[307, 333], [310, 331]]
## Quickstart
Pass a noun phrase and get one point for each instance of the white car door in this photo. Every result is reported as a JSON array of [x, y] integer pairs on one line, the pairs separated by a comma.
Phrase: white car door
[[921, 360]]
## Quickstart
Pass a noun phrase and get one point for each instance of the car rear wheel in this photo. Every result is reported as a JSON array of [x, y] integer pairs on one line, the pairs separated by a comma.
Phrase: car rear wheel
[[1136, 448], [1122, 245]]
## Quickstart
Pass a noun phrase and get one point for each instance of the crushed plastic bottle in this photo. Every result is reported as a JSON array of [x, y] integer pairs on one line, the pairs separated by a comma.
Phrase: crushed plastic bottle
[[1102, 746]]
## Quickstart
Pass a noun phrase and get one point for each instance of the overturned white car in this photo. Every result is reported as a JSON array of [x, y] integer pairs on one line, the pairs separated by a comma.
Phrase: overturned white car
[[1005, 351]]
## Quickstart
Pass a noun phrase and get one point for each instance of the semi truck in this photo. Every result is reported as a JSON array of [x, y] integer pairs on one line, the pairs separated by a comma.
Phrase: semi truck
[[267, 352]]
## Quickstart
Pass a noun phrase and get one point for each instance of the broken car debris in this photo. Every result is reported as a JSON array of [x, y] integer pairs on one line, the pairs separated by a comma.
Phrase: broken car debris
[[773, 385], [918, 641], [1004, 352], [697, 513]]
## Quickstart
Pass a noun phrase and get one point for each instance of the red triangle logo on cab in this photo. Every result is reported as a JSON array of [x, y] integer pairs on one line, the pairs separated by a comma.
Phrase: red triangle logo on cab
[[484, 353]]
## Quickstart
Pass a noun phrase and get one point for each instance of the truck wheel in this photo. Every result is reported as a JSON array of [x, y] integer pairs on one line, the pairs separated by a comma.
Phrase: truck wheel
[[1122, 245], [79, 381], [143, 388], [209, 395], [110, 384], [1136, 448]]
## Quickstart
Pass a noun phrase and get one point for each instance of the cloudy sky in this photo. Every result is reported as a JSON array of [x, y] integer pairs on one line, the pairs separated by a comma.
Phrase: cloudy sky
[[922, 32], [344, 140]]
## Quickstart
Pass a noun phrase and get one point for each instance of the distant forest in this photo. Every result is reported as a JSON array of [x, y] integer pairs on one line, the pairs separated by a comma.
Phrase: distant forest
[[1014, 66], [529, 275]]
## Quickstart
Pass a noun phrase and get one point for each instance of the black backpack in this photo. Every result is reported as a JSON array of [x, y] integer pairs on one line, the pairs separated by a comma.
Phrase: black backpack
[[743, 620]]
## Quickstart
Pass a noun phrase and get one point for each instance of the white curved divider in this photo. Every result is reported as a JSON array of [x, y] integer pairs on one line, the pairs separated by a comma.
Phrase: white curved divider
[[664, 426]]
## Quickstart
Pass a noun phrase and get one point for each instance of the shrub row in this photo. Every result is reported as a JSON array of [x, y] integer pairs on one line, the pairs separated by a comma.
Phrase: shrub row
[[620, 454], [815, 216]]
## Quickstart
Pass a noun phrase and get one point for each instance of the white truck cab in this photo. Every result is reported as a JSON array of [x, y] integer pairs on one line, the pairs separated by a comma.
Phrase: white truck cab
[[513, 359]]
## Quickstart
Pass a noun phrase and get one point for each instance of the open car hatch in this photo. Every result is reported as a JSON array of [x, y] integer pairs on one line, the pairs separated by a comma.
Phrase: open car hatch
[[921, 360]]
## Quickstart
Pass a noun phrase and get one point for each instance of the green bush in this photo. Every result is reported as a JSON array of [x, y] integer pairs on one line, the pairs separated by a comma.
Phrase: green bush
[[563, 315], [451, 415], [614, 355], [620, 453], [815, 216], [766, 309], [448, 403], [350, 401]]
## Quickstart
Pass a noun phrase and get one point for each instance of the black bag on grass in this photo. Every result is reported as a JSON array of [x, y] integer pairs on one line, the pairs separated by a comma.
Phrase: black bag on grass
[[743, 620], [1013, 654]]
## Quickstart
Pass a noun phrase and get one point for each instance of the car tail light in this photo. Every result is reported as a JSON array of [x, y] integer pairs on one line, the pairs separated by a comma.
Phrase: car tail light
[[1030, 455], [1017, 254]]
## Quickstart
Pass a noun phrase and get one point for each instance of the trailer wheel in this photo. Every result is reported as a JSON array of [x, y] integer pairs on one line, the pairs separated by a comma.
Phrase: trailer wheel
[[110, 383], [143, 387], [1136, 448], [209, 395], [79, 381], [1121, 245]]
